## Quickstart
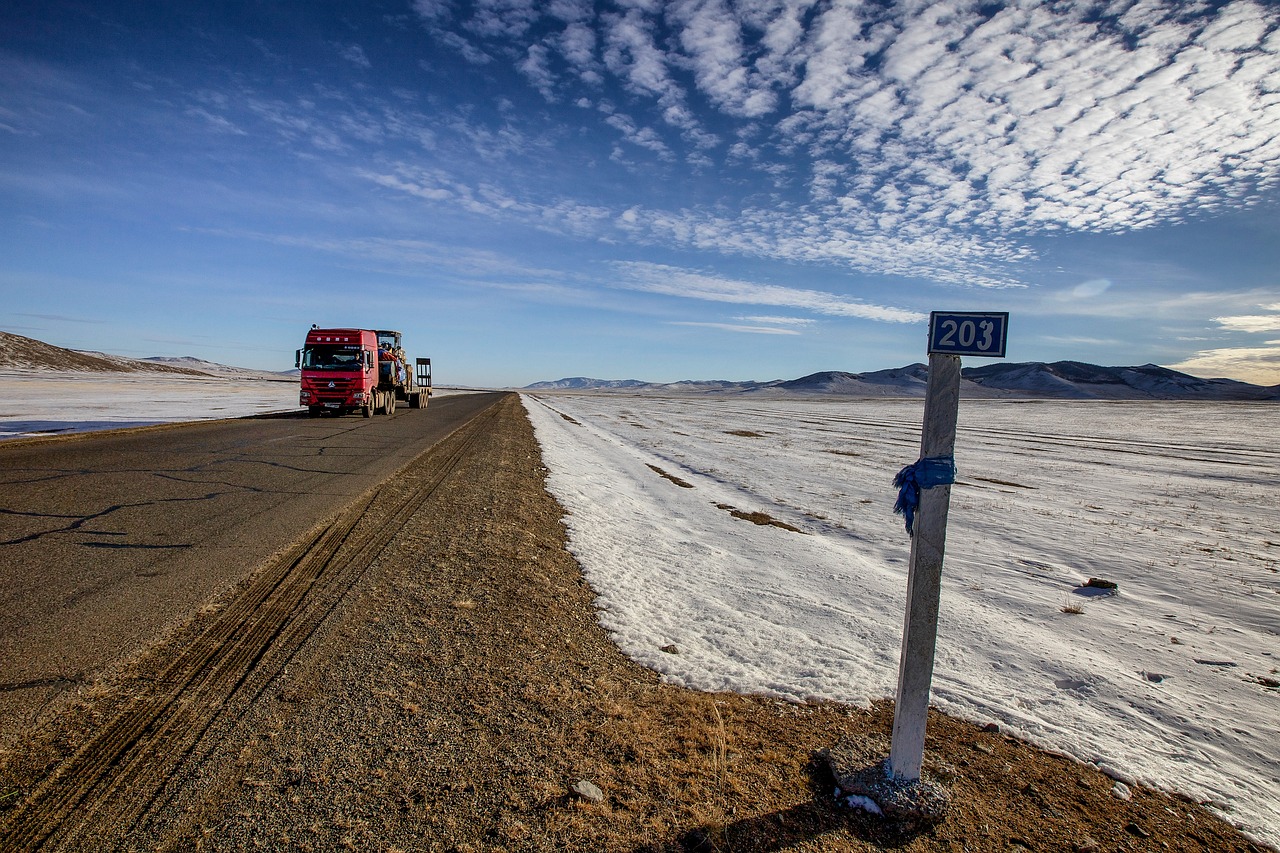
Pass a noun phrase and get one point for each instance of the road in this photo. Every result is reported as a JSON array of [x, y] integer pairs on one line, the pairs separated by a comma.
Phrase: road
[[108, 540]]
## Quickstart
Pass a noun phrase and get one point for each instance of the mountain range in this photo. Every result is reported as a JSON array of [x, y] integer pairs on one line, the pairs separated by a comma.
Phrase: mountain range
[[27, 355], [1059, 380], [1072, 380]]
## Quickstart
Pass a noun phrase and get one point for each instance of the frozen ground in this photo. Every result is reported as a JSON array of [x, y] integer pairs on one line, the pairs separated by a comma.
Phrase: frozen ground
[[1172, 681], [44, 405], [82, 402]]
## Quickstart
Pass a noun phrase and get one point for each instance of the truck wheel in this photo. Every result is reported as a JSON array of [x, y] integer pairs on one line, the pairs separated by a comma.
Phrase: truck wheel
[[391, 402], [314, 411], [367, 409]]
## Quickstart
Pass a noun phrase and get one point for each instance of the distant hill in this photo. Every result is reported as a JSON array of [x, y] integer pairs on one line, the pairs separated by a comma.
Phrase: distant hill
[[214, 369], [28, 355], [582, 383], [1078, 380], [1060, 380]]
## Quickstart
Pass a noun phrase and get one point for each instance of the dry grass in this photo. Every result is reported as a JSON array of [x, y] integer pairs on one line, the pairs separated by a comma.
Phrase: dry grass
[[671, 477], [756, 517]]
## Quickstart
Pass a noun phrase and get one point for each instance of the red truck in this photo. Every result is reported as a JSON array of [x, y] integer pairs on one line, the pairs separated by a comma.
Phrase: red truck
[[343, 370]]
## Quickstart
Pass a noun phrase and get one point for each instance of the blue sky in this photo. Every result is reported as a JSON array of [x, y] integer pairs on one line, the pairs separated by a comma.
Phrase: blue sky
[[635, 189]]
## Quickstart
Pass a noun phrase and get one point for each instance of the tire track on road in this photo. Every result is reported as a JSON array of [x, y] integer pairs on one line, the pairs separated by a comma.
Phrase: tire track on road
[[119, 774]]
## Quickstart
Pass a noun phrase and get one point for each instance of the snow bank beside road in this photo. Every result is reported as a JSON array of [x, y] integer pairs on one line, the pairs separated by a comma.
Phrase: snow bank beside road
[[1167, 682]]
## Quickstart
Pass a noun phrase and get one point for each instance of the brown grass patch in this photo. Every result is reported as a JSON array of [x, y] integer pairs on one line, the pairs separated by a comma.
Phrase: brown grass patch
[[761, 518], [671, 477]]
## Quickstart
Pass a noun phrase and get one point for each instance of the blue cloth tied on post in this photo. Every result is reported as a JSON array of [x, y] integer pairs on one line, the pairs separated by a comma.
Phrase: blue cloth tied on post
[[923, 474]]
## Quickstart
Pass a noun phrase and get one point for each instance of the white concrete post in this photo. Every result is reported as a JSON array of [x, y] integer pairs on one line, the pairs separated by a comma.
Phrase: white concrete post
[[924, 578]]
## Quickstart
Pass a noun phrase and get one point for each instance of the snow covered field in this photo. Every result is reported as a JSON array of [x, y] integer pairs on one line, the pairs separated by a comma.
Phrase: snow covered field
[[84, 402], [78, 402], [1172, 681]]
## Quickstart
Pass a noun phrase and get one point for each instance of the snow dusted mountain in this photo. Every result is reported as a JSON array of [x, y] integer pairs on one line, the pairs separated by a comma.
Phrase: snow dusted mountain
[[1061, 380], [28, 355], [909, 381], [1074, 379], [582, 383], [214, 369]]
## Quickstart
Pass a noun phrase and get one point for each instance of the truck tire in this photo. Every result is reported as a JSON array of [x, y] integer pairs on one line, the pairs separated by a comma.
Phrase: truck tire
[[367, 409], [391, 402]]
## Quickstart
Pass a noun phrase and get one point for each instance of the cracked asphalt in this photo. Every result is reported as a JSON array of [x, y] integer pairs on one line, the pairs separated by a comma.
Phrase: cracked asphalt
[[108, 539]]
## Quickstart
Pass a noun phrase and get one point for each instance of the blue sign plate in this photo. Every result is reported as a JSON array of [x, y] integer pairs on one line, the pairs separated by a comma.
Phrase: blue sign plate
[[961, 333]]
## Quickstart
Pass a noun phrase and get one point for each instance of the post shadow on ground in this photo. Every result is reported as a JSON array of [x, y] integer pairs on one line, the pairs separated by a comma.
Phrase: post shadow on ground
[[797, 824]]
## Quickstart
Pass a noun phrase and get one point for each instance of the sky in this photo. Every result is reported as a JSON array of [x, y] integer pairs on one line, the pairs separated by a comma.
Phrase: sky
[[698, 189]]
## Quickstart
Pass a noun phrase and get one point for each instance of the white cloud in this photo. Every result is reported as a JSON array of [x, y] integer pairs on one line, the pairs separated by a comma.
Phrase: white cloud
[[1091, 289], [535, 69], [731, 327], [712, 39], [1258, 365], [354, 54], [688, 284], [780, 321], [432, 11], [1250, 323], [502, 18], [644, 137], [217, 122], [931, 140]]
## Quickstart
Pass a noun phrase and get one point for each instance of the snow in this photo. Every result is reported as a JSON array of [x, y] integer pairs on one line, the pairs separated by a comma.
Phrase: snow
[[1164, 682], [85, 402], [45, 405]]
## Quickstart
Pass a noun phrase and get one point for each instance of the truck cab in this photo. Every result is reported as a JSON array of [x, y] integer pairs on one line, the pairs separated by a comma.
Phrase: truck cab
[[339, 371]]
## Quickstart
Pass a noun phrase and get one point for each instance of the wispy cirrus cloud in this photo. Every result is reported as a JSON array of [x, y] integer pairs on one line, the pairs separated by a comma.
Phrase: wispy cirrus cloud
[[690, 284], [780, 321], [735, 327]]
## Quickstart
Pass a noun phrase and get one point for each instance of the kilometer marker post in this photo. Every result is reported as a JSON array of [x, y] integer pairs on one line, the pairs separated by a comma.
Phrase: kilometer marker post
[[951, 335]]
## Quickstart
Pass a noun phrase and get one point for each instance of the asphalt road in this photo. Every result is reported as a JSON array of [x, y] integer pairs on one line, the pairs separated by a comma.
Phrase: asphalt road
[[108, 540]]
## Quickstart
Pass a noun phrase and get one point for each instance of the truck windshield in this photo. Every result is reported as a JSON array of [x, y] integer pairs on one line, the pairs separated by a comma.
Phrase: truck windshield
[[331, 358]]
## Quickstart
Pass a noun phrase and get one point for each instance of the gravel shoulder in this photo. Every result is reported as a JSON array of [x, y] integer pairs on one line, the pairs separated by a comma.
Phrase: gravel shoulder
[[457, 686]]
